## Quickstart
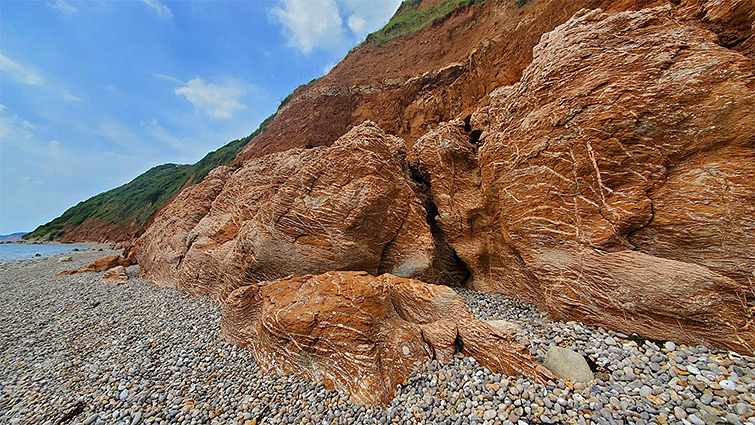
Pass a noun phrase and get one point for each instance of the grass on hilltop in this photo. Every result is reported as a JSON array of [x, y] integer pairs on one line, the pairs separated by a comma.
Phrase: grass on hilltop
[[408, 20]]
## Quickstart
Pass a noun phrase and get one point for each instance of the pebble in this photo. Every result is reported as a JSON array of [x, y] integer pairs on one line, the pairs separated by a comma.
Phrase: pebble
[[645, 391], [727, 385], [151, 356]]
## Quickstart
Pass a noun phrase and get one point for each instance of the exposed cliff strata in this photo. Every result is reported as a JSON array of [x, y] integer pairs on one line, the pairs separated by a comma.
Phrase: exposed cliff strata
[[363, 335], [612, 147], [409, 85], [160, 259], [447, 159]]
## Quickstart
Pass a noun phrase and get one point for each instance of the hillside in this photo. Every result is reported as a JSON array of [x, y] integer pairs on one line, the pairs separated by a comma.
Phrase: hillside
[[121, 214], [12, 237]]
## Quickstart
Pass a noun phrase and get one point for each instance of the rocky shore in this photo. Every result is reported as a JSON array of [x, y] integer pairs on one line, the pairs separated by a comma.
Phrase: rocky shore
[[75, 350]]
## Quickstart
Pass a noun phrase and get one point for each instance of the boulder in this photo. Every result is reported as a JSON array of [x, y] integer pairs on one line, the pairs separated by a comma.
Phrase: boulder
[[613, 183], [65, 259], [361, 334], [568, 364], [350, 206], [115, 276], [99, 265], [509, 328]]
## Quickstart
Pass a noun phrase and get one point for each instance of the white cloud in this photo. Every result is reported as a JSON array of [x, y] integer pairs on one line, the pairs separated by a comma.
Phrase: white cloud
[[310, 24], [366, 16], [27, 75], [118, 133], [13, 129], [330, 25], [22, 74], [328, 67], [217, 101], [160, 133], [167, 77], [161, 9], [66, 95], [16, 132], [356, 23], [62, 7]]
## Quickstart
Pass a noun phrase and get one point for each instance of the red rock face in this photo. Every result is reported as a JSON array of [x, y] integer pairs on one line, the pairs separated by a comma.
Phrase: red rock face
[[163, 246], [346, 207], [363, 335], [612, 184], [446, 158], [614, 179]]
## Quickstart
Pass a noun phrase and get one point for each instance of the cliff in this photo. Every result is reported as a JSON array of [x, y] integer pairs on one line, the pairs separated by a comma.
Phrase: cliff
[[434, 61], [604, 175], [591, 158]]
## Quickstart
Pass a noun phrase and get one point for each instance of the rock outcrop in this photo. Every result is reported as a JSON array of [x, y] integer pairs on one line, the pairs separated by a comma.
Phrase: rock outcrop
[[361, 334], [160, 251], [612, 184], [350, 206], [115, 276], [100, 265]]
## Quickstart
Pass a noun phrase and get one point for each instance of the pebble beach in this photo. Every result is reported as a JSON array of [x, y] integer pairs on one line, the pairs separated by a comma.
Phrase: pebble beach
[[74, 350]]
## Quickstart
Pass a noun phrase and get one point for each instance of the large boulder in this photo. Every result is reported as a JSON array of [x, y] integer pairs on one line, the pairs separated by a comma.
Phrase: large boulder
[[350, 206], [612, 184], [361, 334]]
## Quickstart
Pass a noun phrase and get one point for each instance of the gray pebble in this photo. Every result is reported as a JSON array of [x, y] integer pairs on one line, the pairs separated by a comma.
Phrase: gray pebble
[[727, 385], [706, 398]]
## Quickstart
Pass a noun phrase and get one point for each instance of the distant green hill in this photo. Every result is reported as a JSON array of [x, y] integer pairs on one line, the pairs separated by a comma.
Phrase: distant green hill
[[135, 202]]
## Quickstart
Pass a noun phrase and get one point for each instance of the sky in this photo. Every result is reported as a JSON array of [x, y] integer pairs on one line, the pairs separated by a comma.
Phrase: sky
[[93, 93]]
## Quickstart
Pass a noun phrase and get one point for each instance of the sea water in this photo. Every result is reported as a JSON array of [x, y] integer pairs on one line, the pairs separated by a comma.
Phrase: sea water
[[22, 251]]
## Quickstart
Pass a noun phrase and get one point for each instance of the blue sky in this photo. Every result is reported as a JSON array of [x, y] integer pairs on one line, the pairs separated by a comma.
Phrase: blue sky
[[93, 93]]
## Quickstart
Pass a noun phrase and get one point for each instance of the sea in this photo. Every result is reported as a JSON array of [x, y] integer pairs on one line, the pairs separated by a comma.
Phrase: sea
[[23, 251]]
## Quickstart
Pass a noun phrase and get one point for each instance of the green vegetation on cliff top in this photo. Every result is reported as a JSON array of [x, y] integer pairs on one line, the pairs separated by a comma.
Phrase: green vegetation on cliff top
[[136, 201], [409, 20]]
